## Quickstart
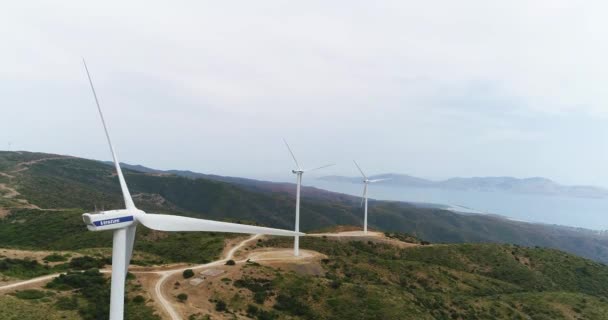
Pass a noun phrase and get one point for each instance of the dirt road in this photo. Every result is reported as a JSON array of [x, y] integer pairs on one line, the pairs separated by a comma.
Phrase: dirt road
[[160, 284]]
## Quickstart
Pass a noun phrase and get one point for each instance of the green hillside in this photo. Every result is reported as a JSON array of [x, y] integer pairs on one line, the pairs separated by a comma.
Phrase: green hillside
[[76, 185], [365, 280], [41, 202]]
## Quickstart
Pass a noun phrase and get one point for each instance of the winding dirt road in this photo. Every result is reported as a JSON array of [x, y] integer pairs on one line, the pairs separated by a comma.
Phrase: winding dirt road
[[167, 304], [164, 275]]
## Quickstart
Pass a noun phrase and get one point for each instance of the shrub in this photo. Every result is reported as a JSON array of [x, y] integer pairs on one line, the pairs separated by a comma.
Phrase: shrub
[[86, 262], [182, 297], [188, 273], [30, 294], [252, 310], [139, 299], [335, 284], [266, 315], [220, 306], [291, 305], [260, 287], [230, 262], [23, 269], [55, 257]]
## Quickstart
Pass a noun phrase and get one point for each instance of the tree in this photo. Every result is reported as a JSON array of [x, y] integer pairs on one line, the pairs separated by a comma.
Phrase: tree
[[188, 273], [230, 262], [182, 297]]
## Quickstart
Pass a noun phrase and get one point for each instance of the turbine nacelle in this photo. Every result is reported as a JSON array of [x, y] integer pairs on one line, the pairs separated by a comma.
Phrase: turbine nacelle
[[111, 220]]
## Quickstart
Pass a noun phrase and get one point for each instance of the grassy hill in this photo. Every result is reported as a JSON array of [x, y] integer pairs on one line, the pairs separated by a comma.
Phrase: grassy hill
[[42, 197], [71, 186], [365, 280]]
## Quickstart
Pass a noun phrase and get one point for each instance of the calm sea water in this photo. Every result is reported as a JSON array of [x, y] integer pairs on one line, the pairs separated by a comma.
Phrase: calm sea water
[[576, 212]]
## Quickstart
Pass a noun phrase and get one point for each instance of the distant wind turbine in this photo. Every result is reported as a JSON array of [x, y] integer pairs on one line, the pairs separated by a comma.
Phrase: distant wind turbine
[[298, 172], [366, 181], [124, 222]]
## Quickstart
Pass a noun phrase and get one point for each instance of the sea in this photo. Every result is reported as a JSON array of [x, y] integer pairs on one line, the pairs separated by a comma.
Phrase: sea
[[589, 213]]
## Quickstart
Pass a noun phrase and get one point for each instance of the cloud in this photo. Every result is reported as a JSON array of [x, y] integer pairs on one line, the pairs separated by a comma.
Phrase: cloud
[[205, 83]]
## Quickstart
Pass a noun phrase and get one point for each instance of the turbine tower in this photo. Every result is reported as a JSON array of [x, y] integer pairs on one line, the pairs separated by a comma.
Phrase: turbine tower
[[366, 181], [124, 223], [298, 172]]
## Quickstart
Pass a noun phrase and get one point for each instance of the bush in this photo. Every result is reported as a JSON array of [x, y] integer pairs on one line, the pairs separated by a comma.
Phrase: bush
[[220, 306], [86, 262], [335, 284], [188, 273], [230, 262], [139, 299], [182, 297], [252, 310], [23, 268], [260, 287], [55, 257], [266, 315], [30, 294], [291, 305]]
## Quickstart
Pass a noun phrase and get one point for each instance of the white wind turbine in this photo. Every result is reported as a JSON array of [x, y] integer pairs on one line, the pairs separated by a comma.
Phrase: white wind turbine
[[366, 181], [124, 222], [298, 172]]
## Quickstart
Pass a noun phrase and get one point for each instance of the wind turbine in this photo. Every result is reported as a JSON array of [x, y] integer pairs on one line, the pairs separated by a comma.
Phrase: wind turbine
[[366, 181], [125, 221], [298, 172]]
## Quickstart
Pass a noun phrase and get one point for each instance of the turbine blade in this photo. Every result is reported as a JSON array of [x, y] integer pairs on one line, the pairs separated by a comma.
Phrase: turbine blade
[[321, 167], [292, 155], [363, 174], [123, 185], [165, 222], [378, 180]]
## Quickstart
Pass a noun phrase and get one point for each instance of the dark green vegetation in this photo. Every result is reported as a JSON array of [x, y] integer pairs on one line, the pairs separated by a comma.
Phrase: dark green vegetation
[[77, 185], [64, 230], [188, 273], [366, 280], [75, 292], [30, 294], [55, 257], [182, 297], [92, 296], [26, 268], [29, 268]]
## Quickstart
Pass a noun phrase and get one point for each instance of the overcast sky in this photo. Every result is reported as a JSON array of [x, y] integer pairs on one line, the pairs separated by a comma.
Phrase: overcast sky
[[429, 88]]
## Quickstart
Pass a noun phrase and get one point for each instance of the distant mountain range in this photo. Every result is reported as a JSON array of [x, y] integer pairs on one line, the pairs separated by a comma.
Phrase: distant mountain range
[[535, 185]]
